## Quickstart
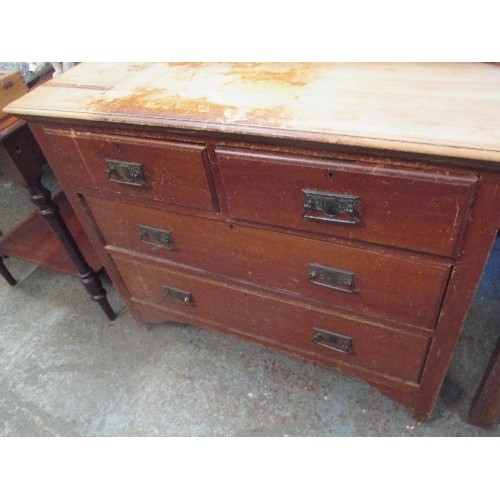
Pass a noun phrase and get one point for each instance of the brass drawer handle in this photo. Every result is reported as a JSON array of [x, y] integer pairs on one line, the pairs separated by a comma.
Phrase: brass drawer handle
[[178, 296], [158, 238], [336, 279], [125, 172], [334, 341], [331, 207]]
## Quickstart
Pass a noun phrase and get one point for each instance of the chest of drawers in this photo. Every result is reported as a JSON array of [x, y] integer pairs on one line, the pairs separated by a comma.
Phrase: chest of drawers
[[340, 213]]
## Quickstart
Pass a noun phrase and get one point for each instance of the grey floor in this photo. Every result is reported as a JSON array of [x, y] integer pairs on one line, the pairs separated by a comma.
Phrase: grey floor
[[65, 370]]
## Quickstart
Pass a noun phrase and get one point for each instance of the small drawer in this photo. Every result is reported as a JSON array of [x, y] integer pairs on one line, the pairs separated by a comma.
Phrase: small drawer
[[404, 208], [392, 285], [12, 86], [173, 172], [328, 338]]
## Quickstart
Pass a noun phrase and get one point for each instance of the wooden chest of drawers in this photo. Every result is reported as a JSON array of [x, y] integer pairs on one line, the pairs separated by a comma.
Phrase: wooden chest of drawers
[[340, 213]]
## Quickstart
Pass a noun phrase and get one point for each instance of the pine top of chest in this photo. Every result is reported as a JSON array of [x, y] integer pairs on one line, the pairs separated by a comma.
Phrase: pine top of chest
[[429, 108]]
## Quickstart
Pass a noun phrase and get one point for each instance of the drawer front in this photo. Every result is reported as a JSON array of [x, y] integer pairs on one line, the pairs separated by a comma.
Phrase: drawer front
[[63, 156], [391, 285], [329, 338], [396, 207], [12, 86], [176, 173]]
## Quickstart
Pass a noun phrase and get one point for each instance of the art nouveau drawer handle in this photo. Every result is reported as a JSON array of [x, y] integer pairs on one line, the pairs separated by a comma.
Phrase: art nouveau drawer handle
[[125, 172], [334, 341], [178, 296], [331, 207], [158, 238], [336, 279]]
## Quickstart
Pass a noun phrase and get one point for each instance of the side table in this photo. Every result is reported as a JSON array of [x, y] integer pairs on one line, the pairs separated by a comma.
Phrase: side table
[[50, 236]]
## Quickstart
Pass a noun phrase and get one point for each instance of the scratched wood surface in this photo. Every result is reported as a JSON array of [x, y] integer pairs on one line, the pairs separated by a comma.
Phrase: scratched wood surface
[[447, 109]]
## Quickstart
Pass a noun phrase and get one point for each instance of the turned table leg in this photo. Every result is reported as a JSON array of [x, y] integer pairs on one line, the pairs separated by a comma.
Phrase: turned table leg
[[49, 211], [25, 168]]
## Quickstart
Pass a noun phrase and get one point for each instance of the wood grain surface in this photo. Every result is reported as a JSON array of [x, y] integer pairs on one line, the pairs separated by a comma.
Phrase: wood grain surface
[[396, 286], [287, 324], [431, 108]]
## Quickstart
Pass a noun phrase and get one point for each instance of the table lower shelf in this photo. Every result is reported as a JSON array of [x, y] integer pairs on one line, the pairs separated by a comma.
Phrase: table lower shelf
[[31, 240]]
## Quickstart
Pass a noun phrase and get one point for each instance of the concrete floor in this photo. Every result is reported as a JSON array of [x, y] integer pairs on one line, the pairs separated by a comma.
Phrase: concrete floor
[[65, 370]]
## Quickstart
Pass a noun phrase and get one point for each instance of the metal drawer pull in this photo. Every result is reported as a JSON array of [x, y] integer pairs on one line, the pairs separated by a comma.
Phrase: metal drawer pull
[[333, 341], [158, 238], [336, 279], [125, 172], [179, 296], [338, 208]]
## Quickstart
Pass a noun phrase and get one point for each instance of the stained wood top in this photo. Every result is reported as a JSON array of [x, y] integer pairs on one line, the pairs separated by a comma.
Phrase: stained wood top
[[430, 108]]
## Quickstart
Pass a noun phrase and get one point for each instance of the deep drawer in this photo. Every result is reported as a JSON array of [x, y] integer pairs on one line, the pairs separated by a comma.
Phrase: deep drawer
[[398, 207], [331, 339], [173, 172], [392, 285]]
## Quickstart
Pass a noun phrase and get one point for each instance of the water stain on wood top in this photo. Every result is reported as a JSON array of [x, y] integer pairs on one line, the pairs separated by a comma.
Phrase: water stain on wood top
[[194, 91], [152, 100]]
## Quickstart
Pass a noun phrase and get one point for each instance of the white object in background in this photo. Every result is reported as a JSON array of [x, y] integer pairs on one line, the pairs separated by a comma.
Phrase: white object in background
[[59, 67]]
